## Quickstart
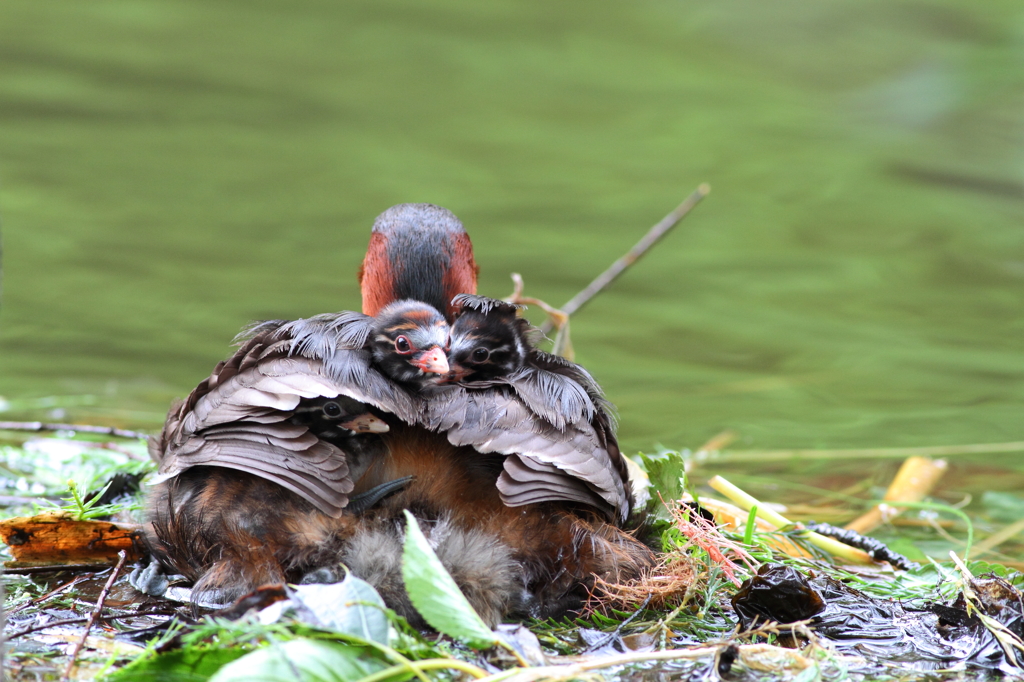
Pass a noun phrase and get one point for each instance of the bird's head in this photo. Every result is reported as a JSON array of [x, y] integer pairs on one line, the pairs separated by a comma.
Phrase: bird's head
[[487, 339], [408, 343], [338, 417], [417, 252]]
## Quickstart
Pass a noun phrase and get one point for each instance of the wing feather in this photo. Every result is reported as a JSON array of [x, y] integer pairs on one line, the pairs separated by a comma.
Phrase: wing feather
[[526, 479], [243, 416], [549, 418], [572, 460]]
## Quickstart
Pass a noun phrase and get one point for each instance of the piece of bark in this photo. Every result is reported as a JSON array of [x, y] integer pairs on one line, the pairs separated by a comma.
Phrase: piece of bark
[[57, 538]]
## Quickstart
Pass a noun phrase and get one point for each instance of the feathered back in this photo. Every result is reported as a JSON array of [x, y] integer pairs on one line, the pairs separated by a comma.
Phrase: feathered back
[[244, 415], [548, 417]]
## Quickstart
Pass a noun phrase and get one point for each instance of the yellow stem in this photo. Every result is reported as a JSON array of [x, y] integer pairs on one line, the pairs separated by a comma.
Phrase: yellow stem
[[748, 502], [428, 664]]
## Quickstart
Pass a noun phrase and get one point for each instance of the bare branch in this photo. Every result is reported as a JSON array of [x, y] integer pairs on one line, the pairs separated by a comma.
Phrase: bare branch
[[122, 556], [80, 428], [634, 254]]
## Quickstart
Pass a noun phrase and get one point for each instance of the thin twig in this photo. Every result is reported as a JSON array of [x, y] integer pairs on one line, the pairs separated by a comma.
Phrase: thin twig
[[82, 619], [81, 428], [865, 453], [30, 570], [428, 664], [14, 500], [51, 624], [614, 633], [633, 255], [121, 557]]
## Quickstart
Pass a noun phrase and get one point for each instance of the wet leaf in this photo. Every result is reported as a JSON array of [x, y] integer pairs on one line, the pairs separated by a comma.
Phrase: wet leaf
[[352, 607], [185, 665], [303, 660], [436, 596]]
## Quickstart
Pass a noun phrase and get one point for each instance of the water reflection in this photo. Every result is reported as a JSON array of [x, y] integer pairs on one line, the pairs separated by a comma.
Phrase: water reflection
[[170, 172]]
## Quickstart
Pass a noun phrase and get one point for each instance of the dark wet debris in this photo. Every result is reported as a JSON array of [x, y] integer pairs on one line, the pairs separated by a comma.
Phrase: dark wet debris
[[777, 593], [876, 549], [925, 636]]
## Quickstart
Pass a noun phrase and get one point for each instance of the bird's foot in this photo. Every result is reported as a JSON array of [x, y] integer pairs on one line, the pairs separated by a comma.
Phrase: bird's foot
[[357, 504]]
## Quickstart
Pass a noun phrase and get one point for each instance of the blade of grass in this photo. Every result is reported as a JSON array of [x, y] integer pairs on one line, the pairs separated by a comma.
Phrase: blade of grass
[[866, 453]]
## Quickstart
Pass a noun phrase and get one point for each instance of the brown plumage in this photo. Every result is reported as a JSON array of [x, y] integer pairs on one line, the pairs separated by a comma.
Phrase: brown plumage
[[557, 546], [517, 479], [231, 531], [257, 466], [262, 410]]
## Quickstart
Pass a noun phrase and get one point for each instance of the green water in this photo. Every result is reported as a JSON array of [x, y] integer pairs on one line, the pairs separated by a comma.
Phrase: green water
[[172, 170]]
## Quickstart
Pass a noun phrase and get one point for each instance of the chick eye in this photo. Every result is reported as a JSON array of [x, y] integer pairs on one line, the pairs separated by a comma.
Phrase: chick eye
[[402, 345], [332, 409], [480, 354]]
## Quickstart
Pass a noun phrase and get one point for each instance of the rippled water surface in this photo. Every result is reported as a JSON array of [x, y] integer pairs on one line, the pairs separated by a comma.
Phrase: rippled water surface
[[172, 170]]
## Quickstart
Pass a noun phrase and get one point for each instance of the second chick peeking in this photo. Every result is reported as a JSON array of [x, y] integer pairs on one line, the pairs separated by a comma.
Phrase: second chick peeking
[[413, 343], [487, 340]]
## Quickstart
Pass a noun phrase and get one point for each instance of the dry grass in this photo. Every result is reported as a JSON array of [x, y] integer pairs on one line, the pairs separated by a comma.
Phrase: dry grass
[[681, 571]]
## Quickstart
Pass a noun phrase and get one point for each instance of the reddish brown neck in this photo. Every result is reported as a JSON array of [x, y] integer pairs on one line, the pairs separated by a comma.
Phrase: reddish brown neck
[[419, 252]]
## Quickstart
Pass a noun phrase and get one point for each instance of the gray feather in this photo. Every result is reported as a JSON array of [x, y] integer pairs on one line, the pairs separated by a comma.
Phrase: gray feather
[[497, 420], [239, 418]]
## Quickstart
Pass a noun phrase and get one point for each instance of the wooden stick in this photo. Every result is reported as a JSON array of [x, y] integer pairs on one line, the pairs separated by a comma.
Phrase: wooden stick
[[56, 568], [82, 619], [122, 556], [81, 428], [634, 254]]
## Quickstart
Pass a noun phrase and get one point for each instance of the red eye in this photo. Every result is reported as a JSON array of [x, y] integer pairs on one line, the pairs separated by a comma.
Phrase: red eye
[[402, 345]]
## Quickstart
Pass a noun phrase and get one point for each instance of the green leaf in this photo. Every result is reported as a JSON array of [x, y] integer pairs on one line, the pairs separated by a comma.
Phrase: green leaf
[[184, 665], [303, 660], [436, 596], [666, 470]]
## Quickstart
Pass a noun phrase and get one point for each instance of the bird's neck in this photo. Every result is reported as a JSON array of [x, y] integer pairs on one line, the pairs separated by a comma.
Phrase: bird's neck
[[429, 267]]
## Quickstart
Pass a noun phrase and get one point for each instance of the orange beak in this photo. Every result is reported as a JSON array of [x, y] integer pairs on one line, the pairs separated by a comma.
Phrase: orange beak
[[366, 423], [432, 361]]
